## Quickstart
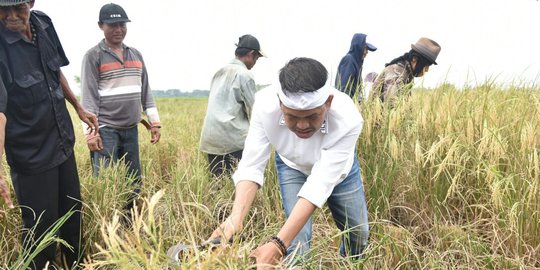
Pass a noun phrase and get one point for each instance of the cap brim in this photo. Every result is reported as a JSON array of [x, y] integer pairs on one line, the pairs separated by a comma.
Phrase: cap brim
[[258, 51], [116, 20], [262, 54], [371, 47]]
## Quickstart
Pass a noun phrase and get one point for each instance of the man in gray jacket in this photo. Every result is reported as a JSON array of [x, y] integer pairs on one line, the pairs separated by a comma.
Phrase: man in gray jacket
[[232, 94]]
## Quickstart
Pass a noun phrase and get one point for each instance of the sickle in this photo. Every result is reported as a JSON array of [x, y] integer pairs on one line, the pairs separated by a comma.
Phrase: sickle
[[177, 251]]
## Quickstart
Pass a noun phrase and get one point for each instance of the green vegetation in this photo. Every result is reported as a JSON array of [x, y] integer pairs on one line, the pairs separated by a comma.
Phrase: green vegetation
[[452, 179], [179, 93], [188, 94]]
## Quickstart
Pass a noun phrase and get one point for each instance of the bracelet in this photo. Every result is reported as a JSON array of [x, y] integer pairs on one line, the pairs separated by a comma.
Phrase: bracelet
[[277, 246], [155, 126], [276, 240]]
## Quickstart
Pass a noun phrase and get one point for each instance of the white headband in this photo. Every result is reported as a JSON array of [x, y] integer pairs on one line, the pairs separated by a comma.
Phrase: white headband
[[304, 100]]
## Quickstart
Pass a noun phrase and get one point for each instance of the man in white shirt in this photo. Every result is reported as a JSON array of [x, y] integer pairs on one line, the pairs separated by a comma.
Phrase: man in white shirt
[[232, 94], [314, 129]]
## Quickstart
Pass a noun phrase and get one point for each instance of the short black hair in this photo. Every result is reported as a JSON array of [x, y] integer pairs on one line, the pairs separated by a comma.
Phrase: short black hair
[[241, 51], [302, 74]]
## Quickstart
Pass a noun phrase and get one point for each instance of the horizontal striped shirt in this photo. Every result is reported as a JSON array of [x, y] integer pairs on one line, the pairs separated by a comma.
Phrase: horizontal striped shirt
[[116, 90]]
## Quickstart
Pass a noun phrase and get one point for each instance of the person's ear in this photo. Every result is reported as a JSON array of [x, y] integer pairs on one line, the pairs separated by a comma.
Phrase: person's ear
[[31, 4], [414, 61], [328, 102]]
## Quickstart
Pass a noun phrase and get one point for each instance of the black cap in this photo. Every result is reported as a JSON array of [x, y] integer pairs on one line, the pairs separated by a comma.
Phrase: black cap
[[112, 13], [249, 42]]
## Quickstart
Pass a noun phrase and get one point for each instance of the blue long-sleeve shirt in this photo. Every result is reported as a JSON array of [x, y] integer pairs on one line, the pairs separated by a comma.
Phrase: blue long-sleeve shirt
[[349, 76]]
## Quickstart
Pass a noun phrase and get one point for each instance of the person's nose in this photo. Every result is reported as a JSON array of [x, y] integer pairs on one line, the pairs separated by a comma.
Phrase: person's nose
[[302, 124]]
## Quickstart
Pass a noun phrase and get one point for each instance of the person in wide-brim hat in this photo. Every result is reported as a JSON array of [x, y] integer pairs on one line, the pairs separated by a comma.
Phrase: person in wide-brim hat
[[427, 48], [398, 75]]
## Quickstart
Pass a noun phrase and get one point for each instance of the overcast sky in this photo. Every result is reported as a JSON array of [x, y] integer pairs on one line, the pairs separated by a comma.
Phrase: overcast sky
[[185, 42]]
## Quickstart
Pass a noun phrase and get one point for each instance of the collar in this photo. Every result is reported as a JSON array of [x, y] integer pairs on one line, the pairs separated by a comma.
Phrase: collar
[[235, 61], [10, 37], [103, 46], [323, 129], [408, 66], [409, 70]]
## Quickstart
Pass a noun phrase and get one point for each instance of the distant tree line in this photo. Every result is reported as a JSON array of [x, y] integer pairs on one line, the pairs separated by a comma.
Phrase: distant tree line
[[179, 93], [194, 93]]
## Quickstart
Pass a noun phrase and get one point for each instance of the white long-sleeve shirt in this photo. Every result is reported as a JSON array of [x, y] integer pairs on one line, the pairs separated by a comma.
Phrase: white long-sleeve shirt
[[326, 157]]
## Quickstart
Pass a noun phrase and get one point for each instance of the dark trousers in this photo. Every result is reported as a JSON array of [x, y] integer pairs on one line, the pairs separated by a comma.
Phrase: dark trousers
[[44, 198], [120, 144], [221, 165]]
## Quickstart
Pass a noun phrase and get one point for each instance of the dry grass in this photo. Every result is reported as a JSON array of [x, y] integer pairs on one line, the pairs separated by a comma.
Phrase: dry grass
[[451, 177]]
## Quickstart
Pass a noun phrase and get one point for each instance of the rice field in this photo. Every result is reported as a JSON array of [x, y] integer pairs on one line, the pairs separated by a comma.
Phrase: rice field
[[451, 178]]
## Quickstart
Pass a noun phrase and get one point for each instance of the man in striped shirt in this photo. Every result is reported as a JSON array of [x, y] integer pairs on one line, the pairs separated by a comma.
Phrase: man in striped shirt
[[115, 87]]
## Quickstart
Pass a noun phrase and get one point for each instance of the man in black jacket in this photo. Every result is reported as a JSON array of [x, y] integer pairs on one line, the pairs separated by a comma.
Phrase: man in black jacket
[[39, 135]]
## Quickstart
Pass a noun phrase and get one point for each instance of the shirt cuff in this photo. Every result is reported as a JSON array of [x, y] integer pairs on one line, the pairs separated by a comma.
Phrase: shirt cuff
[[317, 191], [153, 115], [313, 195], [248, 175]]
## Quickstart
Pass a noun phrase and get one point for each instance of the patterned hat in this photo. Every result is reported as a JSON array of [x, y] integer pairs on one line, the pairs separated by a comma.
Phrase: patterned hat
[[7, 3], [427, 48]]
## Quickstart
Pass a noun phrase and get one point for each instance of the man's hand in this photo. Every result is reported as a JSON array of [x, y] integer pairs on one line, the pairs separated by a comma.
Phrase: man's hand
[[5, 193], [225, 231], [87, 117], [266, 256], [156, 134], [90, 119], [94, 142]]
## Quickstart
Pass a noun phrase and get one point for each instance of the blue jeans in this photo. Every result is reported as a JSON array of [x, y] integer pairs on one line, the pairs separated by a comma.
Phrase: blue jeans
[[347, 204], [120, 144]]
